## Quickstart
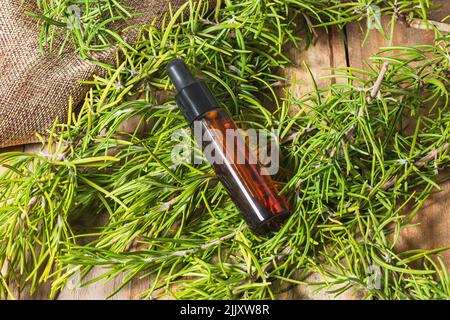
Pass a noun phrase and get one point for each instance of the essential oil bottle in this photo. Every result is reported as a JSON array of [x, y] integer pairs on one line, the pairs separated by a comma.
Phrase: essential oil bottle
[[253, 192]]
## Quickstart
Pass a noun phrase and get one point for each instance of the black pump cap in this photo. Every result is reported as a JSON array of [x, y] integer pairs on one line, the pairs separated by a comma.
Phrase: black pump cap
[[193, 96], [179, 74]]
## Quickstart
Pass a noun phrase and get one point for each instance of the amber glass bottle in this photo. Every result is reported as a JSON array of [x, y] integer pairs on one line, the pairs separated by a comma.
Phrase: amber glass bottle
[[252, 191]]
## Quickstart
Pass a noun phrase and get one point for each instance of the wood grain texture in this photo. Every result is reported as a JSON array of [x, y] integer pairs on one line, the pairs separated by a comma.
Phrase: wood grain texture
[[327, 51], [360, 51], [433, 221], [432, 228]]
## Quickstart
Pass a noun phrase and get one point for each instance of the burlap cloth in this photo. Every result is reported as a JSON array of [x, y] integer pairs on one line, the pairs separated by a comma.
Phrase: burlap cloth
[[35, 88]]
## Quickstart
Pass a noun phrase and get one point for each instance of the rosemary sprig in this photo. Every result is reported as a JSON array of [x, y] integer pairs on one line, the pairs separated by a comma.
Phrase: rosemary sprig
[[359, 160]]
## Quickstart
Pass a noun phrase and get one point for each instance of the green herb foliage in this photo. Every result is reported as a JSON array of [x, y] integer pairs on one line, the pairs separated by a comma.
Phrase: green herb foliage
[[358, 162]]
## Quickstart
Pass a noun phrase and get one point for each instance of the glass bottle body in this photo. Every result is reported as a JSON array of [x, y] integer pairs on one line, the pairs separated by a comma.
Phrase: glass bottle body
[[237, 168]]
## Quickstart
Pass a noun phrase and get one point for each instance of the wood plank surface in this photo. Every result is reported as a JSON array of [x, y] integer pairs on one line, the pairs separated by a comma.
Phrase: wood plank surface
[[330, 50], [433, 221]]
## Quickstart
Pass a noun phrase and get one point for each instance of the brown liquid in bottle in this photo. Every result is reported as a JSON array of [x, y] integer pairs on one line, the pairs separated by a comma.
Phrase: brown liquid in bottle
[[254, 193]]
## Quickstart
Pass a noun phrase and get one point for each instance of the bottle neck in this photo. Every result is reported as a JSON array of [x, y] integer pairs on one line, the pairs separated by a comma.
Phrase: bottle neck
[[195, 100]]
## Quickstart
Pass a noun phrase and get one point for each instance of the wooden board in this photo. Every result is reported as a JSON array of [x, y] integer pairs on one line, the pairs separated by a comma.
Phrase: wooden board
[[330, 51], [433, 221]]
